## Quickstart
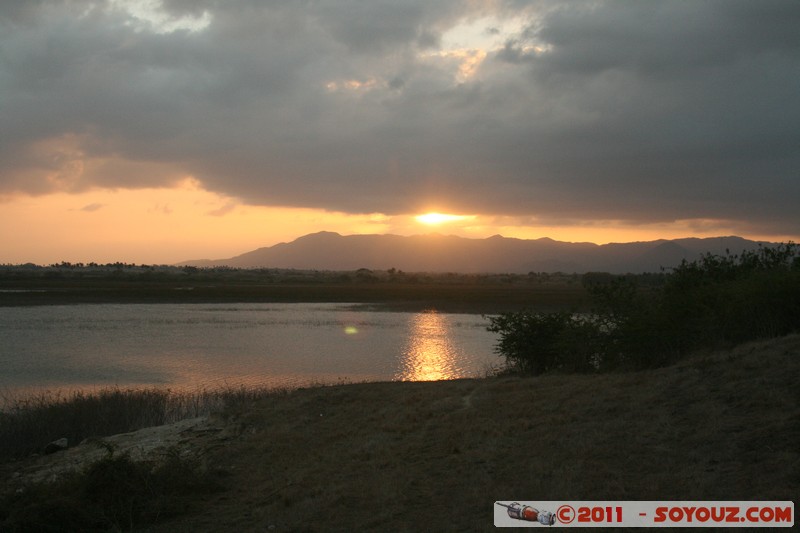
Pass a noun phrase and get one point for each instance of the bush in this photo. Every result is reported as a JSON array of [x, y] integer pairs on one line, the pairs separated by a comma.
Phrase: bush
[[112, 494], [636, 323], [534, 343], [723, 300]]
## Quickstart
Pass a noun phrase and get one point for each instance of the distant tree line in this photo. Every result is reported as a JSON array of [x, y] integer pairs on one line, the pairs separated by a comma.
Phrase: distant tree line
[[155, 273], [653, 320]]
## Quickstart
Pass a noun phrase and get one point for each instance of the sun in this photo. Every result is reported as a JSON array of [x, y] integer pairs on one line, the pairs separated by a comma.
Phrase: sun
[[433, 219]]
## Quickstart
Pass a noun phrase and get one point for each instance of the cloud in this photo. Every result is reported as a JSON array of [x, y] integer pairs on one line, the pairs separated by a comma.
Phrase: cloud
[[91, 208], [223, 210], [609, 110], [160, 209]]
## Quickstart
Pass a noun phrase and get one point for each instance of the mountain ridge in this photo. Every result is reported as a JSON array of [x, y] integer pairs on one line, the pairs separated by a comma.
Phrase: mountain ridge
[[435, 252]]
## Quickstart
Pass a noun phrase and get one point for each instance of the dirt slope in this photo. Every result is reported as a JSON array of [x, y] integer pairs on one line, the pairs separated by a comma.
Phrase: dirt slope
[[435, 456]]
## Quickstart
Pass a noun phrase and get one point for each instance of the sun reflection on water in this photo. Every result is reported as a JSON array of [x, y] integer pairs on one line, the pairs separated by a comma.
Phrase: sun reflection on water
[[430, 354]]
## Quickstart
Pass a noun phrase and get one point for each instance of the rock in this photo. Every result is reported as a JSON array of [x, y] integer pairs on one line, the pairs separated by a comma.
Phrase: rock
[[56, 446], [187, 436]]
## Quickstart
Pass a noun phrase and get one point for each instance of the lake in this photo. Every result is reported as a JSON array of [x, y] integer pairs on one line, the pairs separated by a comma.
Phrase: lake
[[192, 346]]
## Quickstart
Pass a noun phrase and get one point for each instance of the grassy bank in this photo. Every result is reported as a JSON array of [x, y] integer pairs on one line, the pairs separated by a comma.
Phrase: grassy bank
[[435, 456]]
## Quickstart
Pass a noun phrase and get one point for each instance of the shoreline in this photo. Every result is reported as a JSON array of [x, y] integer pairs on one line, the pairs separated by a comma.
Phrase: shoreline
[[450, 298], [716, 426]]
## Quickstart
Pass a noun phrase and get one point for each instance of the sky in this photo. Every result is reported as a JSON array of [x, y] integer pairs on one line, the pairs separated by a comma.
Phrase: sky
[[157, 131]]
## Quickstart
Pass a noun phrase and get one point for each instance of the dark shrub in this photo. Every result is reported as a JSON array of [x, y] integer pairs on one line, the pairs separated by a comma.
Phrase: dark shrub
[[533, 343], [112, 494], [647, 321]]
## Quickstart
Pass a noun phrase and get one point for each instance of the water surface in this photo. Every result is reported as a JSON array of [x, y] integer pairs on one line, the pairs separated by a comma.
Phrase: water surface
[[192, 346]]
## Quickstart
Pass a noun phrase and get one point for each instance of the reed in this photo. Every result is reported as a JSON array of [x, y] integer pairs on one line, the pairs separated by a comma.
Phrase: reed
[[29, 423]]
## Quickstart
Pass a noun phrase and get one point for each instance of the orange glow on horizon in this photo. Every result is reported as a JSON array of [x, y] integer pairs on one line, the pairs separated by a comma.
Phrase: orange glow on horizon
[[155, 226], [185, 222]]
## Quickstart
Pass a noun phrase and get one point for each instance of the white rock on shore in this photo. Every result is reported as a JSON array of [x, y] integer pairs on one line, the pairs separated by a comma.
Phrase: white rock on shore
[[188, 437]]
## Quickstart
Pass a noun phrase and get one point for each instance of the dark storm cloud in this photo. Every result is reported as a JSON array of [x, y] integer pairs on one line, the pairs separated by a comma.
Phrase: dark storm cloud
[[645, 111]]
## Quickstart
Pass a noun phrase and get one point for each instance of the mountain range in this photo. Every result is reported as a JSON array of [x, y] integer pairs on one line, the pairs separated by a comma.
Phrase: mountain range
[[496, 254]]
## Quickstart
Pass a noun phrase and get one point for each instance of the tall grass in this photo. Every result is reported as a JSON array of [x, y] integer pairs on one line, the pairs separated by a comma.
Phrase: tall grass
[[115, 493], [28, 424]]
